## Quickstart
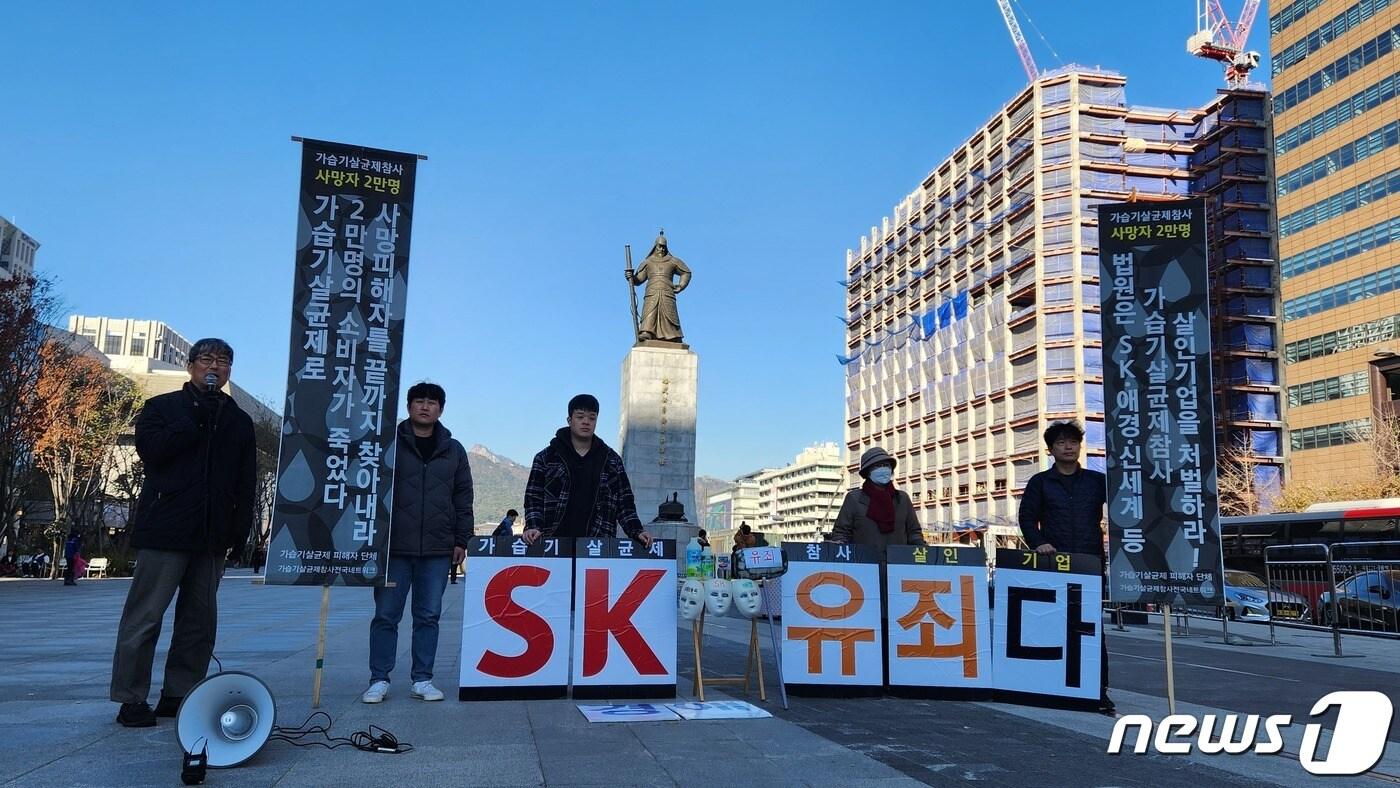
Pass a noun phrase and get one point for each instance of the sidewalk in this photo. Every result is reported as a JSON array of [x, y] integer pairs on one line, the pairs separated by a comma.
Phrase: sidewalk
[[58, 728]]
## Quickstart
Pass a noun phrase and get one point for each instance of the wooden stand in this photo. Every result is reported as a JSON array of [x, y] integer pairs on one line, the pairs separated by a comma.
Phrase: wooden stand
[[320, 646], [753, 661]]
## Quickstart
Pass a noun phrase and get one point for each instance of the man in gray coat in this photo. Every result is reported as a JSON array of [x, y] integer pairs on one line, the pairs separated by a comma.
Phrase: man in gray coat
[[431, 525]]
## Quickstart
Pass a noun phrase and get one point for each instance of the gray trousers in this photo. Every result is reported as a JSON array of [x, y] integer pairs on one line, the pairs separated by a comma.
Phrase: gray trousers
[[159, 574]]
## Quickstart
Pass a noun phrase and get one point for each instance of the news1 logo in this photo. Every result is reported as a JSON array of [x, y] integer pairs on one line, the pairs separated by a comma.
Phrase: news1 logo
[[1358, 741]]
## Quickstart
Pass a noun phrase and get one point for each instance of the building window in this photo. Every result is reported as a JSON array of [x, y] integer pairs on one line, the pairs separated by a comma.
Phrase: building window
[[1341, 203], [1358, 289], [1059, 360], [112, 345], [1364, 101], [138, 346], [1338, 70], [1059, 325], [1062, 293], [1348, 246], [1059, 397], [1373, 144], [1354, 384], [1326, 33], [1055, 152], [1324, 435]]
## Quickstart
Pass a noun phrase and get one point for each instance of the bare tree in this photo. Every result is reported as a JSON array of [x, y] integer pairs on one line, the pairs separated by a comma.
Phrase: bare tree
[[1234, 479]]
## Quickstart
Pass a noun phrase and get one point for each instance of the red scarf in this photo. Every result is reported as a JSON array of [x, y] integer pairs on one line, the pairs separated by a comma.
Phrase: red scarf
[[881, 508]]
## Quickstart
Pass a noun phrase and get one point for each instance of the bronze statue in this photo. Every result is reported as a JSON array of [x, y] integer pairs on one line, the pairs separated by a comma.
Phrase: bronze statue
[[660, 320]]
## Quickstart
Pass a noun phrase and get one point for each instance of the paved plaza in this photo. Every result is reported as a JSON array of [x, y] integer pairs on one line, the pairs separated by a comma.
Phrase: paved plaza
[[57, 728]]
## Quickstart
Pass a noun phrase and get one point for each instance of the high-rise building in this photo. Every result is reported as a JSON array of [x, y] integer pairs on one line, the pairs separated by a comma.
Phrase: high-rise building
[[1336, 117], [973, 313], [17, 250], [139, 339], [799, 502]]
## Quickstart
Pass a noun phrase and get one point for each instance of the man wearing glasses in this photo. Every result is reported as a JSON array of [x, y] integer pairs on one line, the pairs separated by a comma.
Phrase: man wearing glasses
[[196, 506]]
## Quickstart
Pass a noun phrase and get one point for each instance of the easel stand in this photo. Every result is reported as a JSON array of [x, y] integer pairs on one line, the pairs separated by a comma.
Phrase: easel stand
[[752, 661], [321, 646]]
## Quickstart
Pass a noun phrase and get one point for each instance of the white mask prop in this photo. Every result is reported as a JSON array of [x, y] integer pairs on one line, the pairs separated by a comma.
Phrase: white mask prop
[[719, 597], [692, 599], [746, 597]]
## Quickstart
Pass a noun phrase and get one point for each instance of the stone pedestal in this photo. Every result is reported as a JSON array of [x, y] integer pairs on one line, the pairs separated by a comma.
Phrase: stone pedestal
[[657, 434]]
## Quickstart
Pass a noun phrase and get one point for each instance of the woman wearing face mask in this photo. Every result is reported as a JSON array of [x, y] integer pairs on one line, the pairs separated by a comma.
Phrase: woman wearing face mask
[[875, 513]]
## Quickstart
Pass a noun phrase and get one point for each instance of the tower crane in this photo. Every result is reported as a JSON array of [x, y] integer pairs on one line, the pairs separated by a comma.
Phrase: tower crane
[[1216, 39], [1022, 48]]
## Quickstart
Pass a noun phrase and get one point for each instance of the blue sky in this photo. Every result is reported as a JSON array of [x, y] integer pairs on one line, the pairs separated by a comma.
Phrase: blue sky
[[147, 148]]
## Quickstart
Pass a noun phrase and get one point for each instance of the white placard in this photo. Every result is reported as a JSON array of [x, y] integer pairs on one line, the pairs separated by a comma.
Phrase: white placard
[[624, 622], [515, 622], [940, 626], [1048, 632], [831, 624]]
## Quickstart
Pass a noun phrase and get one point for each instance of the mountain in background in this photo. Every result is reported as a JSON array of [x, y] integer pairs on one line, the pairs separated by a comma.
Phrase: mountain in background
[[499, 484]]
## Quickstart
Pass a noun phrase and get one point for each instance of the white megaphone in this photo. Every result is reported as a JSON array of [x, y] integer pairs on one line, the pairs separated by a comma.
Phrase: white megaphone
[[231, 714]]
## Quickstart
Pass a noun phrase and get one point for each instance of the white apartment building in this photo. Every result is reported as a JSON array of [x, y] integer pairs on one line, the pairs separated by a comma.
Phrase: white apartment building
[[799, 502]]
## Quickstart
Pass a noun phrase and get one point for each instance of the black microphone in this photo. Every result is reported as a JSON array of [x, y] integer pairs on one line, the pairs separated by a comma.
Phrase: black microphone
[[211, 382]]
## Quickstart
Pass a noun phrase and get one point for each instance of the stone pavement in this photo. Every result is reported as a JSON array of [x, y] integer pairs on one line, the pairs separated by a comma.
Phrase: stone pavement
[[57, 724]]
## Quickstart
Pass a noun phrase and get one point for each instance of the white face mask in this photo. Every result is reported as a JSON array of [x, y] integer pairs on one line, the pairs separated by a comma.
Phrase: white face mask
[[720, 597], [692, 599], [882, 475], [746, 597]]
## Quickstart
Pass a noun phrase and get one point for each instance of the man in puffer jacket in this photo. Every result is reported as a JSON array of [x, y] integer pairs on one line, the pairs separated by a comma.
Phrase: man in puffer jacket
[[431, 525], [1061, 509]]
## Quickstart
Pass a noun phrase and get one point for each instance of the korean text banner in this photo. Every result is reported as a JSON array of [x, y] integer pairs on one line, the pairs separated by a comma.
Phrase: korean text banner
[[515, 619], [832, 633], [940, 628], [1163, 515], [624, 619], [1048, 629], [335, 470]]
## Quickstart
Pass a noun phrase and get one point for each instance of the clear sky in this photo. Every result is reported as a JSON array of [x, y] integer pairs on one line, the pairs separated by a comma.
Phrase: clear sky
[[146, 146]]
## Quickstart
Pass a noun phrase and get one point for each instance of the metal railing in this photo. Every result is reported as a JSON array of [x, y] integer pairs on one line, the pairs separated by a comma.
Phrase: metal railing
[[1351, 587]]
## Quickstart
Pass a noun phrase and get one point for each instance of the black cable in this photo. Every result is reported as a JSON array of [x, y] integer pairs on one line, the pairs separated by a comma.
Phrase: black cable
[[376, 739]]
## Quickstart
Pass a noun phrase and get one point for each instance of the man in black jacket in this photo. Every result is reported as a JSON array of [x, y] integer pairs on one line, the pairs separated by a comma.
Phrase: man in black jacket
[[1061, 509], [578, 486], [196, 506], [432, 523]]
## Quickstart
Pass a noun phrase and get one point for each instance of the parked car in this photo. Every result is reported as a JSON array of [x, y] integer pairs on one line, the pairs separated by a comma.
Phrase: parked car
[[1366, 601], [1248, 598]]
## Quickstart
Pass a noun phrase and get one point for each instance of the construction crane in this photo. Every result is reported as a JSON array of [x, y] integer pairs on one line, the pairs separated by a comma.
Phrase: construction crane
[[1022, 48], [1216, 39]]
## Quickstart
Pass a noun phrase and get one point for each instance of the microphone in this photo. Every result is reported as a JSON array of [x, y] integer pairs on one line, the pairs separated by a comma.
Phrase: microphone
[[211, 382]]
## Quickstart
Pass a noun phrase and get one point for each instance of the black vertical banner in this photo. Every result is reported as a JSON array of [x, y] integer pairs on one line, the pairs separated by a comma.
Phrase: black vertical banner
[[1163, 513], [335, 470]]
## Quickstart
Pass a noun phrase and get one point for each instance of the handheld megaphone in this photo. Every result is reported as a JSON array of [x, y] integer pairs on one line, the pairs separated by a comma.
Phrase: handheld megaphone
[[232, 712]]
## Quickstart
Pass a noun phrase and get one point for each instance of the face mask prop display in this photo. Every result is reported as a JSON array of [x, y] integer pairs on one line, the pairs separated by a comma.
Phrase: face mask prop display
[[718, 597], [746, 597], [692, 599]]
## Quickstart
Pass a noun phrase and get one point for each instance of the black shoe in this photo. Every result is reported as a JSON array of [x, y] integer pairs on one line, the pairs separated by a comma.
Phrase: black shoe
[[136, 715], [1107, 707], [168, 706]]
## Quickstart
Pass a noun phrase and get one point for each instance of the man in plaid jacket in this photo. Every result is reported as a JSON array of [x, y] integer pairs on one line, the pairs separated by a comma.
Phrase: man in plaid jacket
[[578, 487]]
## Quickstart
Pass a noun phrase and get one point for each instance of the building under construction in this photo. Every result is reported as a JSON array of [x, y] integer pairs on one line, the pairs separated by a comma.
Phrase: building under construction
[[973, 311]]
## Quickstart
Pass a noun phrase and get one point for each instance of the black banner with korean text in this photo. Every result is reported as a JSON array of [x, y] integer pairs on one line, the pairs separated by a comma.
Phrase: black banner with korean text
[[335, 470], [1163, 513]]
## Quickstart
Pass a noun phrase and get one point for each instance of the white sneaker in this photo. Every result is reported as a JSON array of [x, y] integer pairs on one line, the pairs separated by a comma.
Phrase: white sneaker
[[424, 690], [377, 692]]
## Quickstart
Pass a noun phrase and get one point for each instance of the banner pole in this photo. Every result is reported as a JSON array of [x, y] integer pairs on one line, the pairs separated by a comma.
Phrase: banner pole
[[1171, 676], [320, 647]]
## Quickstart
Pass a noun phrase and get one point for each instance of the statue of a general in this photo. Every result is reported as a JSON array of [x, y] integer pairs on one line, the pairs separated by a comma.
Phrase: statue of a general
[[660, 320]]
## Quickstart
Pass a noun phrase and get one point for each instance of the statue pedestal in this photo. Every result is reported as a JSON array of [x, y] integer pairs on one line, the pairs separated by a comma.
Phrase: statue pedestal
[[657, 435]]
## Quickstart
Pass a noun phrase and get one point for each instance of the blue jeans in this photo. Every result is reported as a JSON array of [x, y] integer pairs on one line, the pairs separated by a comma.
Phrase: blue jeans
[[426, 576]]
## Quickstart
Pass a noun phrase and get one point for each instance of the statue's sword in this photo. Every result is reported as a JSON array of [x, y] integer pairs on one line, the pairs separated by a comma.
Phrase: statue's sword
[[632, 293]]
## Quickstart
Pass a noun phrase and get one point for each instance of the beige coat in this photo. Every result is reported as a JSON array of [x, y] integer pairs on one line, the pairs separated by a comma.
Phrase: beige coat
[[854, 527]]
